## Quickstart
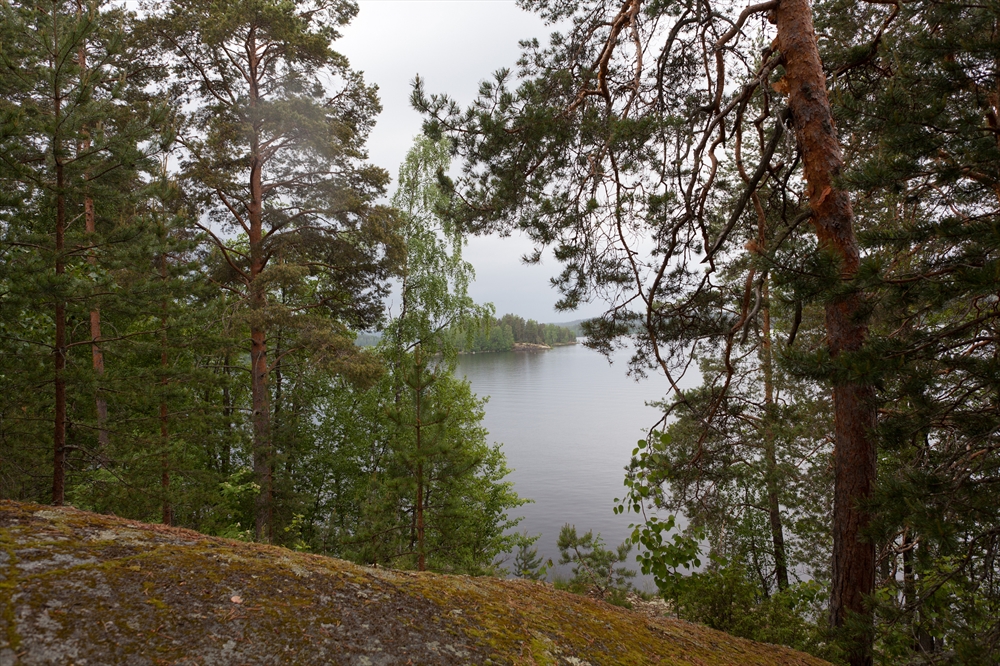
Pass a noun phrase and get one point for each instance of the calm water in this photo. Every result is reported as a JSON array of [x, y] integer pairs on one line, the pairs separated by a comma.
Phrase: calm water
[[568, 422]]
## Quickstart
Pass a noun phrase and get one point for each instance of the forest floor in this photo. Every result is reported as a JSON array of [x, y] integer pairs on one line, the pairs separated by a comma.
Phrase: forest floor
[[87, 589]]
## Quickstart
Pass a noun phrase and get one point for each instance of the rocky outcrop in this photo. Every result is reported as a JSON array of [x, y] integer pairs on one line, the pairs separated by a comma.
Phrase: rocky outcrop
[[529, 346], [86, 589]]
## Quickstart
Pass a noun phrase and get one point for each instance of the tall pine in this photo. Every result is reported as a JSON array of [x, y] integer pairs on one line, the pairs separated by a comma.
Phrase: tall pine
[[273, 162]]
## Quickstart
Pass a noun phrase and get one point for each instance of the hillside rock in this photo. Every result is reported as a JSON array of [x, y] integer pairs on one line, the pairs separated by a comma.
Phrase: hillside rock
[[85, 589]]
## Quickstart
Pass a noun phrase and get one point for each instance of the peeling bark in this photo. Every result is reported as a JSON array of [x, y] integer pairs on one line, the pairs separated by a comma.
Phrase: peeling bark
[[854, 413]]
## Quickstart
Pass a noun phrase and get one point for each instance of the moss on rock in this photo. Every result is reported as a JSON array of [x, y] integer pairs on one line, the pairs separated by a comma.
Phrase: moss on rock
[[81, 588]]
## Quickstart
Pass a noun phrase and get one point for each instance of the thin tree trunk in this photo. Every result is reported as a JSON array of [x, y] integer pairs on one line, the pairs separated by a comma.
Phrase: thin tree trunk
[[59, 420], [853, 402], [770, 456], [167, 507], [418, 394], [59, 436], [227, 411], [767, 367], [421, 552], [90, 224], [97, 355]]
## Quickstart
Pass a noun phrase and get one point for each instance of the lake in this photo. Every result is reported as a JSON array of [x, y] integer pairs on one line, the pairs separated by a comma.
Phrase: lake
[[568, 422]]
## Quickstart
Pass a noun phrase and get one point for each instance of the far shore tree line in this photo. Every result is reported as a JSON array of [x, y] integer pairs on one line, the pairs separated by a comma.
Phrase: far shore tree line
[[496, 335], [503, 334]]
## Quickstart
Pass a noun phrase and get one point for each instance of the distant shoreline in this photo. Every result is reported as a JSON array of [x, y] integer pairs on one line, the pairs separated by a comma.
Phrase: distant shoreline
[[521, 347]]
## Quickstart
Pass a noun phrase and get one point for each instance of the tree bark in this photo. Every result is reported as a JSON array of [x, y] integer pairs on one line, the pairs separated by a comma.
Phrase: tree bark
[[770, 455], [853, 402], [59, 435], [59, 351], [97, 355], [90, 224], [227, 411], [259, 390], [167, 509], [418, 394], [260, 398]]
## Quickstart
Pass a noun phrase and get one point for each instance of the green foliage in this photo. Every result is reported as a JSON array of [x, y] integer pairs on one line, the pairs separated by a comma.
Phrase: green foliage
[[271, 125], [434, 278], [365, 466], [527, 563], [658, 556], [596, 569], [632, 171], [726, 597], [79, 145], [921, 104], [269, 226]]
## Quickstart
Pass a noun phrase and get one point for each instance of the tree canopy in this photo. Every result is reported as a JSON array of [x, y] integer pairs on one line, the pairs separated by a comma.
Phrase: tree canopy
[[795, 203], [191, 236]]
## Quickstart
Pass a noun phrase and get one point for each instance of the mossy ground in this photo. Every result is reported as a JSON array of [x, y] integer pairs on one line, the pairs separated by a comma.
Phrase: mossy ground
[[81, 588]]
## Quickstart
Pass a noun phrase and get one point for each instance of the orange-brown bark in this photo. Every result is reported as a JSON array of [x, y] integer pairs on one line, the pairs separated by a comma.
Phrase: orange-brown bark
[[833, 219]]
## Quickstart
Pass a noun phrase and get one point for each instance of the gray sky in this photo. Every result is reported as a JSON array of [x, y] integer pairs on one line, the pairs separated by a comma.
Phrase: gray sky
[[452, 45]]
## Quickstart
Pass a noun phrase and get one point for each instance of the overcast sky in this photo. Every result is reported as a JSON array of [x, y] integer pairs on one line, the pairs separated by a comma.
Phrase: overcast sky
[[452, 45]]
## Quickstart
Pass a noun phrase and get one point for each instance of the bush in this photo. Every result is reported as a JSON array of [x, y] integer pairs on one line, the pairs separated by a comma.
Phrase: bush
[[726, 598], [595, 571]]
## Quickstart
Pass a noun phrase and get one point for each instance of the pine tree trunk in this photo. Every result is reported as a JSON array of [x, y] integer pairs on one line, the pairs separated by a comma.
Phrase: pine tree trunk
[[59, 436], [167, 509], [227, 411], [853, 402], [90, 224], [421, 552], [260, 403], [771, 475], [259, 391], [59, 420]]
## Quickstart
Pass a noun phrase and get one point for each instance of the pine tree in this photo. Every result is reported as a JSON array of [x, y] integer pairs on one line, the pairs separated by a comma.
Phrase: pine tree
[[273, 163], [77, 131], [609, 150], [920, 94]]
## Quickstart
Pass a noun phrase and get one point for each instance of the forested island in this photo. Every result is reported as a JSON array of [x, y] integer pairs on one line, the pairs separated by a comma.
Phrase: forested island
[[510, 333], [788, 212]]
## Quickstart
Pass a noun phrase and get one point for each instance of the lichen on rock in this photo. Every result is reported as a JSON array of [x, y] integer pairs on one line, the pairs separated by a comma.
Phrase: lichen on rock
[[86, 589]]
